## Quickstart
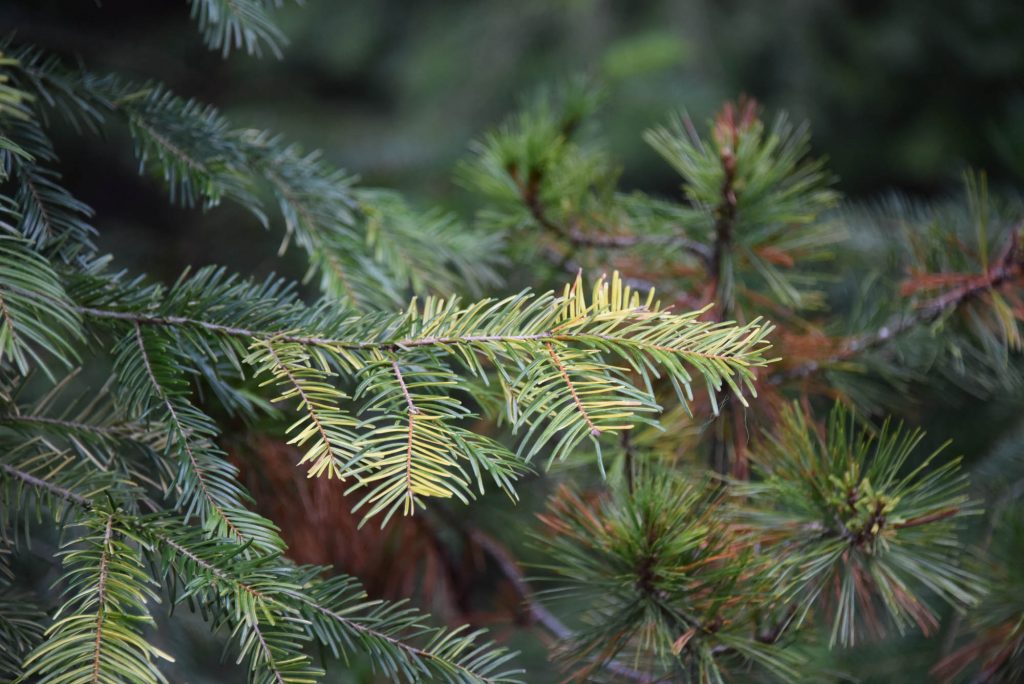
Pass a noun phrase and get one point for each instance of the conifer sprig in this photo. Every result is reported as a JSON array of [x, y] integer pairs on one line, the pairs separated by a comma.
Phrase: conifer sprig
[[247, 25], [852, 524], [548, 352], [97, 634], [669, 588]]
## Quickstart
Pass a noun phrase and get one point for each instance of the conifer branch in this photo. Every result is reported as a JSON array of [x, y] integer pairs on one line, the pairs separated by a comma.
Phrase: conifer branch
[[594, 430], [119, 430], [101, 597], [49, 487], [183, 437], [537, 611], [1007, 270]]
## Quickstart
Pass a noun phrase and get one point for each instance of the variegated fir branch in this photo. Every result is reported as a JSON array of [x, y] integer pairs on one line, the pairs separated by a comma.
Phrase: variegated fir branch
[[515, 335], [549, 352], [101, 596], [447, 650], [630, 328], [398, 345]]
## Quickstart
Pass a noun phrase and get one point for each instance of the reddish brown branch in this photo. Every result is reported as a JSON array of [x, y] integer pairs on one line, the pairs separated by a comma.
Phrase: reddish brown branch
[[536, 611], [929, 518], [1008, 269]]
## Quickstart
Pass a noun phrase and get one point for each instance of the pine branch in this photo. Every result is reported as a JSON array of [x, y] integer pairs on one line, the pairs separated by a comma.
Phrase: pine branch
[[839, 512], [668, 587], [536, 610]]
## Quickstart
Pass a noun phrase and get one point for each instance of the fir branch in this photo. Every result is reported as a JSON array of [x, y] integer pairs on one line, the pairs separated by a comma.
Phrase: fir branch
[[336, 613], [228, 25], [36, 320], [96, 636], [206, 482], [299, 601], [22, 624], [123, 430], [101, 597], [49, 487]]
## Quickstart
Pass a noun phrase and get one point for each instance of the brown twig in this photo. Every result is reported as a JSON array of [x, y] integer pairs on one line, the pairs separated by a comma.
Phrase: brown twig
[[536, 611], [1008, 269]]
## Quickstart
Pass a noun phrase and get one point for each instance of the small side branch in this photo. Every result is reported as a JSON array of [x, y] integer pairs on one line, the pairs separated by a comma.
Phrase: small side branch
[[101, 597], [183, 437], [40, 483], [412, 412], [594, 430], [405, 390], [1008, 269]]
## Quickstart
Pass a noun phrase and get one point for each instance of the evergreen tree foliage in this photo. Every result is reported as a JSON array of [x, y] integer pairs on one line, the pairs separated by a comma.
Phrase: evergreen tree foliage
[[735, 536]]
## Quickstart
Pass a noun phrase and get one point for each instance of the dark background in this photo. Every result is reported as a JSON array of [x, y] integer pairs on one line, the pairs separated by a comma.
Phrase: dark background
[[901, 95]]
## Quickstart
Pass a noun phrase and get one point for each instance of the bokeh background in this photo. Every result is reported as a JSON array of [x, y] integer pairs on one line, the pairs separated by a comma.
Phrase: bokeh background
[[902, 96]]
